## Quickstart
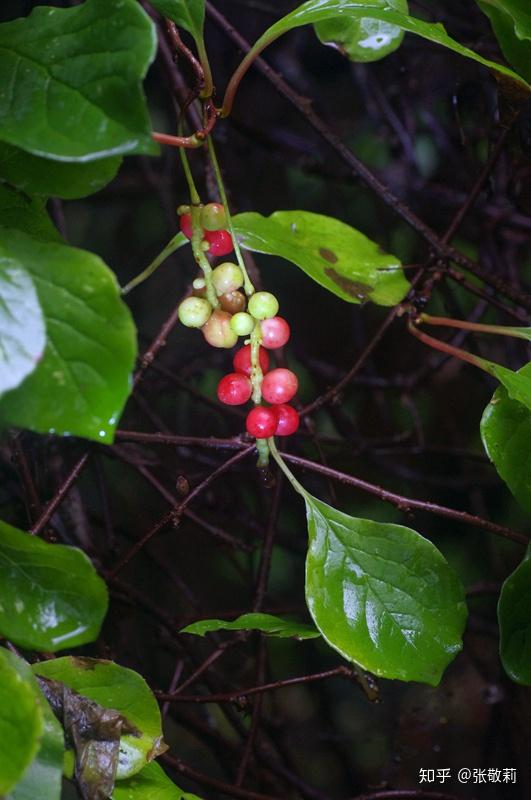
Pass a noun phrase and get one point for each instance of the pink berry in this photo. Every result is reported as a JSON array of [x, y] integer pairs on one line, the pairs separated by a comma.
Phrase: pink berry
[[279, 386], [218, 332], [242, 360], [262, 422], [220, 242], [186, 225], [275, 332], [234, 389], [288, 420]]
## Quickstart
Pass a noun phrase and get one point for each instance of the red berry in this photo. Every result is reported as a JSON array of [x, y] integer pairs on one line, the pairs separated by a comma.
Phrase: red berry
[[186, 225], [220, 242], [279, 386], [234, 389], [275, 332], [288, 420], [242, 360], [262, 422]]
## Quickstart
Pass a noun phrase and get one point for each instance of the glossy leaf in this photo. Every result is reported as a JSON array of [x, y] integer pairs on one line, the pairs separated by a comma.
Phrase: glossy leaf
[[83, 380], [74, 92], [187, 14], [26, 214], [382, 595], [150, 784], [506, 435], [266, 623], [518, 384], [50, 595], [42, 176], [363, 39], [338, 257], [121, 689], [21, 720], [514, 615], [511, 21]]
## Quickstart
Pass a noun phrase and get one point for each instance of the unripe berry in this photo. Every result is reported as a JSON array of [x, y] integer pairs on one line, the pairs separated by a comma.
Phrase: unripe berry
[[242, 323], [263, 305], [275, 332], [220, 243], [234, 389], [194, 312], [213, 217], [183, 210], [279, 386], [227, 277], [288, 420], [233, 302], [217, 330], [199, 283], [262, 422], [185, 223], [242, 360]]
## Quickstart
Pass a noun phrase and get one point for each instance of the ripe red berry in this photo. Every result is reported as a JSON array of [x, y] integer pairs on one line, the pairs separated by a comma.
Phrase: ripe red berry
[[262, 422], [234, 389], [275, 332], [242, 360], [220, 242], [288, 420], [279, 386], [185, 223]]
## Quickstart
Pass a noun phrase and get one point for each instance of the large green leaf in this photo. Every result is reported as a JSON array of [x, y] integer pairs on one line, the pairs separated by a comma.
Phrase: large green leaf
[[121, 689], [74, 88], [506, 435], [518, 384], [21, 719], [187, 14], [514, 614], [26, 214], [336, 256], [43, 176], [511, 21], [83, 380], [382, 595], [363, 39], [150, 784], [50, 595], [266, 623]]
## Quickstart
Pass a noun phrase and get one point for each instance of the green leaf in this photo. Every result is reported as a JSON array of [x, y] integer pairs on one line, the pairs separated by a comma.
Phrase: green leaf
[[363, 39], [42, 176], [43, 778], [506, 435], [121, 689], [511, 21], [74, 91], [50, 595], [84, 378], [26, 214], [187, 14], [150, 784], [21, 719], [266, 623], [518, 384], [338, 257], [514, 615], [382, 595]]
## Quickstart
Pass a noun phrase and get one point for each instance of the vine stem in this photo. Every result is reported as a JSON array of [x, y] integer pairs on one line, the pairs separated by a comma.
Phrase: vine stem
[[449, 349], [501, 330], [174, 244], [299, 488]]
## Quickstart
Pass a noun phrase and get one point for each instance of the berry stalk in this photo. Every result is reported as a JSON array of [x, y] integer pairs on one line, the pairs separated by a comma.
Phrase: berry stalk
[[477, 327]]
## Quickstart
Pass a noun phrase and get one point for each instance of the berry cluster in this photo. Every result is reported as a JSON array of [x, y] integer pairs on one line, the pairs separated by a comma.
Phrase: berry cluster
[[213, 222]]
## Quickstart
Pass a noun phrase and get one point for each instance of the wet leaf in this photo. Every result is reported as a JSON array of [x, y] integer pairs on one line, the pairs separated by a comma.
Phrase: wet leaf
[[506, 435], [187, 14], [511, 21], [266, 623], [82, 382], [150, 784], [120, 689], [77, 64], [50, 595], [382, 595], [336, 256], [514, 615], [363, 39]]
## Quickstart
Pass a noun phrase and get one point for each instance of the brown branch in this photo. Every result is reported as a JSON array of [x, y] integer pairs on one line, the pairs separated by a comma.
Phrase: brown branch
[[59, 496]]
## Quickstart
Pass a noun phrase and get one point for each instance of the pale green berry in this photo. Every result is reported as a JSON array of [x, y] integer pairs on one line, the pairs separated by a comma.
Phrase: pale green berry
[[263, 305], [183, 210], [227, 277], [194, 312], [217, 330], [213, 217], [199, 283], [242, 323]]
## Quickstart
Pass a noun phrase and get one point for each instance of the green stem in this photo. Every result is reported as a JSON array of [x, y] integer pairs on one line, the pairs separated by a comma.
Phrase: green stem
[[248, 286], [240, 72], [174, 244], [256, 372], [444, 347], [286, 470], [208, 88], [502, 330], [262, 445]]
